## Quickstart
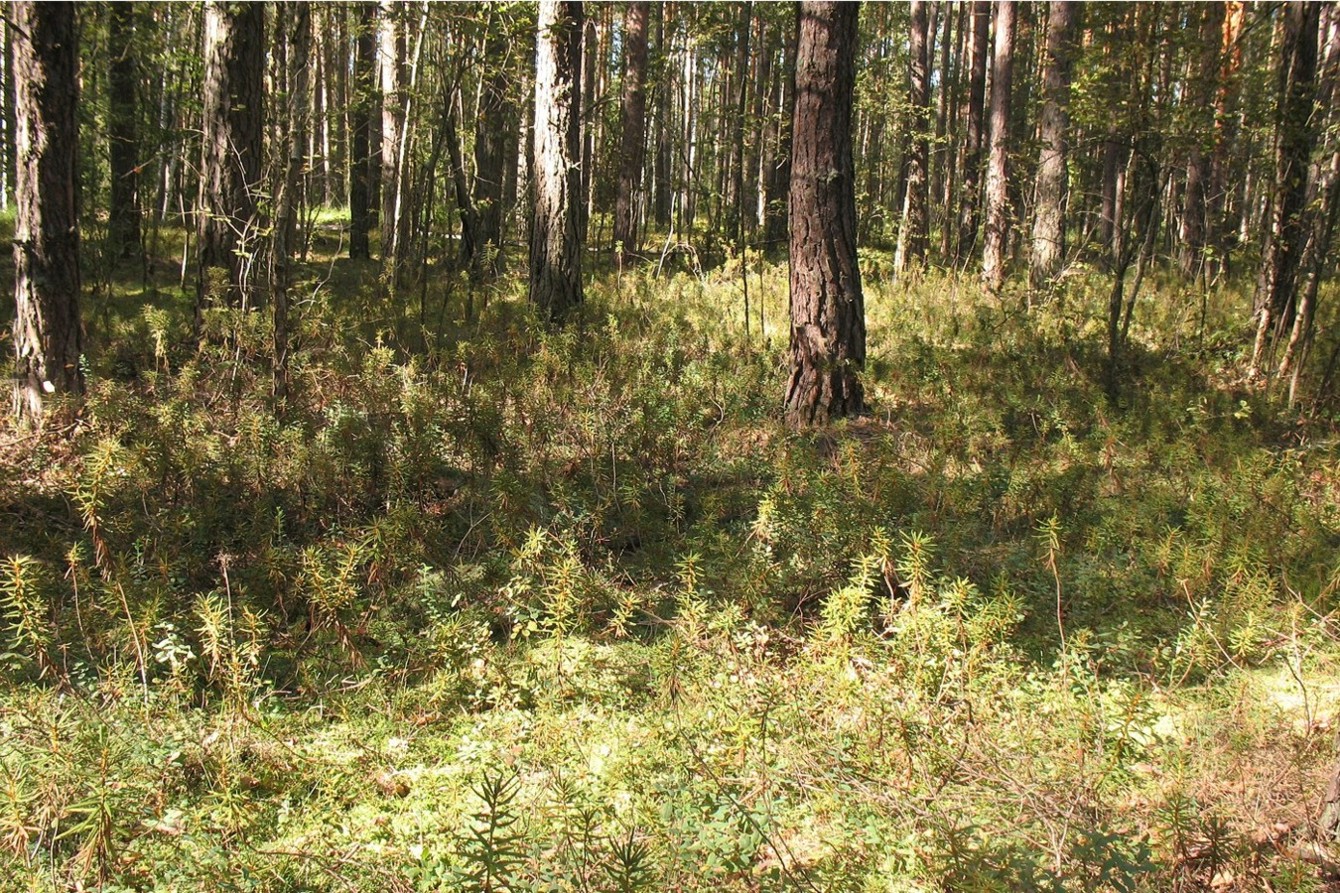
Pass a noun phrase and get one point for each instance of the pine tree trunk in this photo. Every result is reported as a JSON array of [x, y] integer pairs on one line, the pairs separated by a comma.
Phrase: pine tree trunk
[[48, 333], [229, 222], [632, 127], [390, 58], [1276, 284], [1053, 173], [295, 43], [969, 213], [827, 311], [555, 242], [491, 139], [123, 211], [913, 235], [1192, 242], [663, 194], [361, 160], [997, 174]]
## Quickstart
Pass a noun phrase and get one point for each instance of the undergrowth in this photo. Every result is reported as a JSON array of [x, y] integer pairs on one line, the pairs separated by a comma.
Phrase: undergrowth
[[485, 607]]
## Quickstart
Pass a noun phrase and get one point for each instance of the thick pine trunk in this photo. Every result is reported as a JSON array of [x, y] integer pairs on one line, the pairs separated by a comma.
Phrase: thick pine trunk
[[969, 207], [997, 174], [123, 211], [1053, 173], [555, 243], [632, 134], [48, 333], [827, 311], [230, 227], [913, 235]]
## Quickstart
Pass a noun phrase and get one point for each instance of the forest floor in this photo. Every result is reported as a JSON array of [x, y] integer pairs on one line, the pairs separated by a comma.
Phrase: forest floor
[[481, 607]]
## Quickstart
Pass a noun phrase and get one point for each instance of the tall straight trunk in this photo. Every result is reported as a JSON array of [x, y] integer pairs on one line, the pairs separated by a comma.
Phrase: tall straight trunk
[[338, 63], [1191, 246], [48, 332], [229, 220], [951, 154], [1225, 134], [590, 54], [492, 137], [1295, 135], [775, 230], [555, 240], [913, 235], [632, 116], [123, 211], [7, 117], [997, 174], [294, 44], [738, 104], [1053, 173], [361, 160], [827, 310], [969, 207], [662, 196], [390, 59]]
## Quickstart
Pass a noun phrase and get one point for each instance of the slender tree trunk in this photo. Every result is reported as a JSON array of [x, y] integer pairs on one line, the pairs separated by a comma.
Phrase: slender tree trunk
[[48, 332], [1217, 227], [7, 159], [827, 310], [1191, 246], [997, 174], [555, 242], [913, 235], [361, 163], [390, 59], [492, 136], [632, 127], [776, 223], [1295, 127], [969, 215], [123, 212], [295, 43], [229, 220], [738, 104], [1053, 172], [663, 194]]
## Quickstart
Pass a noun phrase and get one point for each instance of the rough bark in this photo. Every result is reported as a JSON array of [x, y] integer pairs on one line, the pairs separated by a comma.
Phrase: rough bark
[[361, 160], [914, 233], [555, 244], [492, 137], [997, 173], [969, 207], [632, 135], [294, 48], [1053, 173], [48, 333], [827, 346], [230, 171], [1295, 135], [123, 210]]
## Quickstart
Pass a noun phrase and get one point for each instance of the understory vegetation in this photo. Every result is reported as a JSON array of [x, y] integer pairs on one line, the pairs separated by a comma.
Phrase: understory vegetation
[[482, 606]]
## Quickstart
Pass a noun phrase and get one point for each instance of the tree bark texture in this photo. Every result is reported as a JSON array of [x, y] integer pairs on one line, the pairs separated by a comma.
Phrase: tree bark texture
[[361, 160], [230, 171], [1053, 173], [1295, 135], [827, 311], [997, 198], [48, 334], [969, 207], [492, 136], [555, 243], [633, 126], [914, 234], [123, 224]]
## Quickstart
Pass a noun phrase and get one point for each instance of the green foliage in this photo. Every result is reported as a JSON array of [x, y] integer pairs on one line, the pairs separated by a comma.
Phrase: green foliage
[[573, 611]]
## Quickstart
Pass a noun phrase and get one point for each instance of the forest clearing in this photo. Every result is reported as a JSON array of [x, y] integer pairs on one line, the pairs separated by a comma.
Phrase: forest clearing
[[670, 447]]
